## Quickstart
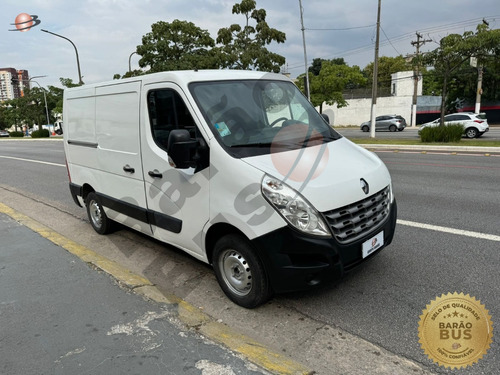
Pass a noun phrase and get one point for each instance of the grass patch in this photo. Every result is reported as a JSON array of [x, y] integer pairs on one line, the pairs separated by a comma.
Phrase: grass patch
[[450, 133], [417, 142]]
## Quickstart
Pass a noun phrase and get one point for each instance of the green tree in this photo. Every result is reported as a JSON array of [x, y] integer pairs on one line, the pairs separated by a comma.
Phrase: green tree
[[317, 63], [386, 67], [245, 47], [454, 51], [328, 86], [14, 113], [177, 45], [68, 82]]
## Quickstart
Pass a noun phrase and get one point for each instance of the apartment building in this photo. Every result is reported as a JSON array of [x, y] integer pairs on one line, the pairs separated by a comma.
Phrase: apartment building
[[13, 83]]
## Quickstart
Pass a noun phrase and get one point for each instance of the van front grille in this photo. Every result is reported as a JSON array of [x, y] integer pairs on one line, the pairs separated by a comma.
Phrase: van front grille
[[353, 221]]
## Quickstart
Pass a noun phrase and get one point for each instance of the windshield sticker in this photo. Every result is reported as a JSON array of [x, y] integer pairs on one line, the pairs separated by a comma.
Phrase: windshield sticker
[[222, 129]]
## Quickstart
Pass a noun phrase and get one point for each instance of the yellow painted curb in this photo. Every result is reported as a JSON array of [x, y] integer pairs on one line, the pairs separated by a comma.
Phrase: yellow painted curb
[[255, 352]]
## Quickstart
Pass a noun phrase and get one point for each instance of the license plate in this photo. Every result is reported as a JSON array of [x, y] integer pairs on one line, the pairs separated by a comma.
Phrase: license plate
[[373, 244]]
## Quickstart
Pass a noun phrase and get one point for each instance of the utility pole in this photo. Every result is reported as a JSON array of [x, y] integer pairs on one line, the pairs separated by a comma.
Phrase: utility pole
[[416, 75], [479, 92], [305, 53], [375, 78]]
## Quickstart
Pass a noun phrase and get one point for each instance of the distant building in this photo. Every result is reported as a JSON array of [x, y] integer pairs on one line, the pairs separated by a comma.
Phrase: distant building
[[403, 84], [13, 83], [397, 102]]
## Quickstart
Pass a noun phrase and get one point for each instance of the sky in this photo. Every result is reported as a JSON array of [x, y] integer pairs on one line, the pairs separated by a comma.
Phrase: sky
[[106, 32]]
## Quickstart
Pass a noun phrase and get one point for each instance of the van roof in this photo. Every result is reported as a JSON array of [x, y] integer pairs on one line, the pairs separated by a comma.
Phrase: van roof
[[184, 77]]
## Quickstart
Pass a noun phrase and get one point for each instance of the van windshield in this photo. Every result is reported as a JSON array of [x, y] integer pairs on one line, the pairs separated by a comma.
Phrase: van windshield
[[253, 117]]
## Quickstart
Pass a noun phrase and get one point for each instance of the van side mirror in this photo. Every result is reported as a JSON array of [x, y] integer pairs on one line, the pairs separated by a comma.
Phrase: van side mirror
[[181, 149]]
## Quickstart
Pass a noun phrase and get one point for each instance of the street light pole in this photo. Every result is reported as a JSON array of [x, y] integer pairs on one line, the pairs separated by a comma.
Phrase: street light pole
[[76, 51], [129, 67]]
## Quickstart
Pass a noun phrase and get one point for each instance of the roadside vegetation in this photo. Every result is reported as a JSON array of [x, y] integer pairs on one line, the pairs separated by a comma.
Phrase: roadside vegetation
[[446, 134], [416, 142], [246, 44]]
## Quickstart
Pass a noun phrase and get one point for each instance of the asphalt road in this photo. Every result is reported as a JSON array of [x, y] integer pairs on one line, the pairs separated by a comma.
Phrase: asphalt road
[[381, 301]]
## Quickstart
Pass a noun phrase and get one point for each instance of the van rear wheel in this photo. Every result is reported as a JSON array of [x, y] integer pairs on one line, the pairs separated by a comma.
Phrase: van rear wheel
[[97, 217], [240, 272]]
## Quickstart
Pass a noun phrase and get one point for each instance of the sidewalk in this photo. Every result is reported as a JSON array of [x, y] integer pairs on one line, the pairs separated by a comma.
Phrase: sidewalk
[[60, 316]]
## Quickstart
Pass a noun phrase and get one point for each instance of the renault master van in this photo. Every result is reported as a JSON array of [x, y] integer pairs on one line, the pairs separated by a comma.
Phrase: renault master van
[[236, 168]]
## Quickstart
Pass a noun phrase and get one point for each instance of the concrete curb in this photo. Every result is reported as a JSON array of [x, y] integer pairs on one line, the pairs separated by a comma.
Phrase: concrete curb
[[487, 151], [191, 316]]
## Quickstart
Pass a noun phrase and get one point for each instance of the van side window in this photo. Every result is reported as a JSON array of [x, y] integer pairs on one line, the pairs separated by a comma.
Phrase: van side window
[[167, 111]]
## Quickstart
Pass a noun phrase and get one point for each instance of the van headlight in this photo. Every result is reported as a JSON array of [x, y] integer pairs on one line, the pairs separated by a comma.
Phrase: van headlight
[[294, 208]]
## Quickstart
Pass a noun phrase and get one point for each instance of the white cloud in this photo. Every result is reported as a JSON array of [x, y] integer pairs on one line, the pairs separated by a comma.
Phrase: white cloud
[[106, 32]]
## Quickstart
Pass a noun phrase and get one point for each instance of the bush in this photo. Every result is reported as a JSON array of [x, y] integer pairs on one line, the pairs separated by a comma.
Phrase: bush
[[16, 134], [447, 133], [44, 133]]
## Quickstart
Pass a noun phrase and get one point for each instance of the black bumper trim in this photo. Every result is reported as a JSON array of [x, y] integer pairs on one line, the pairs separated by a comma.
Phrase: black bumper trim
[[295, 261]]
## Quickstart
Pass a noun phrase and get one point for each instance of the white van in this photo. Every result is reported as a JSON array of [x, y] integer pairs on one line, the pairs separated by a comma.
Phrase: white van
[[236, 168]]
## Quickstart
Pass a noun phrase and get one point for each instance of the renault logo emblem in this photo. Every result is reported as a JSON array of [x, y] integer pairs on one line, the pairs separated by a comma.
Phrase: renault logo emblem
[[364, 186]]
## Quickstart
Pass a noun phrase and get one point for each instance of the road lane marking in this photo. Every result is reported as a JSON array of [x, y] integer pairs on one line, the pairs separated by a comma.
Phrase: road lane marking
[[442, 165], [33, 161], [460, 232]]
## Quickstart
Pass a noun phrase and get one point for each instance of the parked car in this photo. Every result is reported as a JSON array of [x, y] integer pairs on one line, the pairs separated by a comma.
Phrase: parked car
[[4, 133], [475, 124], [386, 122]]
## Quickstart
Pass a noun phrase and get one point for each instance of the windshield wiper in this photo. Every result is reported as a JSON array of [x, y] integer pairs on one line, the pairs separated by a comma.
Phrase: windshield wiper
[[257, 144]]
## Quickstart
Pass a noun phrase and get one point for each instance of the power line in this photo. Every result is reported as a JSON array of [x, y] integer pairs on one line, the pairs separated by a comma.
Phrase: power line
[[392, 45], [343, 29], [402, 37]]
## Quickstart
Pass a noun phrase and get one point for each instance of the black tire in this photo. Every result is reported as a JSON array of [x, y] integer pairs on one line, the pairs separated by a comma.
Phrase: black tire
[[97, 217], [240, 272], [471, 133], [365, 128], [393, 128]]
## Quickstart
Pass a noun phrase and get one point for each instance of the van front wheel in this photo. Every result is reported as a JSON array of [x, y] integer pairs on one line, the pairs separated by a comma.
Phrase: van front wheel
[[240, 272], [97, 217]]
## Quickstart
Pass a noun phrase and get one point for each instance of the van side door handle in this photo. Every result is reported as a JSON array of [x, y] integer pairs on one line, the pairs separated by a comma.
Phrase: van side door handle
[[128, 168], [155, 174]]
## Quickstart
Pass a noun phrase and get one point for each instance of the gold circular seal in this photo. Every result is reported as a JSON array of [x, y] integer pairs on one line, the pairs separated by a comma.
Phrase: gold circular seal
[[455, 330]]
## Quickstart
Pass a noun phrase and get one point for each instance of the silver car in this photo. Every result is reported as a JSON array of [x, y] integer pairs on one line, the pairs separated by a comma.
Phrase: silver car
[[386, 122]]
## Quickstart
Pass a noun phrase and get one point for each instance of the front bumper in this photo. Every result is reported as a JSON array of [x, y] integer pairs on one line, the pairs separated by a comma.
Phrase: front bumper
[[295, 261]]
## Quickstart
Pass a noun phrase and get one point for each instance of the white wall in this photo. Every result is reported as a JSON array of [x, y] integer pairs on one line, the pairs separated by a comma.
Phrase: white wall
[[402, 84], [358, 110]]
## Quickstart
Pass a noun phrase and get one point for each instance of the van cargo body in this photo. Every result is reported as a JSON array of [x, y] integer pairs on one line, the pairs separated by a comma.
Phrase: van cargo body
[[236, 168]]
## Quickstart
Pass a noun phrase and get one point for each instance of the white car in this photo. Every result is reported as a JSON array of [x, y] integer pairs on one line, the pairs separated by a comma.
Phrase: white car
[[475, 124]]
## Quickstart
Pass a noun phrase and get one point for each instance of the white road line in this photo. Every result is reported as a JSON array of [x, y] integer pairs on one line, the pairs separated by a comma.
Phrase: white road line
[[33, 161], [460, 232], [483, 236]]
